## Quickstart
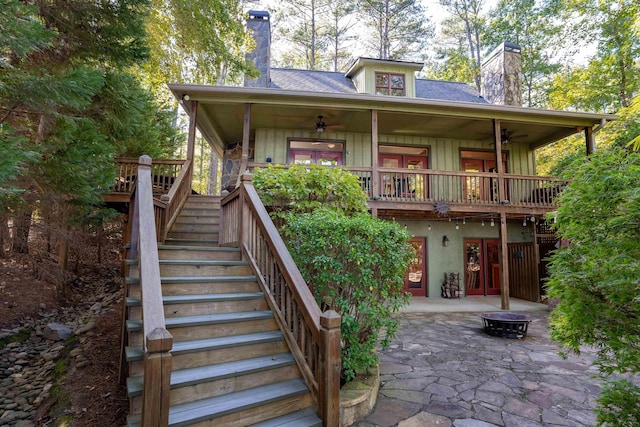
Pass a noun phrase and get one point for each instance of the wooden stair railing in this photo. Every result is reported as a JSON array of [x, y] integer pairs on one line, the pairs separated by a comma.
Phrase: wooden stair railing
[[157, 340], [313, 336]]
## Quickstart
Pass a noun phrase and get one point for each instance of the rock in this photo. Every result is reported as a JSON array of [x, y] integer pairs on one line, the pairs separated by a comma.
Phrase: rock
[[56, 331], [86, 328]]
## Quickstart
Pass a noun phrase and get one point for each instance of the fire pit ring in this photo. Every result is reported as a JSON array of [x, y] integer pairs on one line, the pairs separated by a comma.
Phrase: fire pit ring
[[506, 324]]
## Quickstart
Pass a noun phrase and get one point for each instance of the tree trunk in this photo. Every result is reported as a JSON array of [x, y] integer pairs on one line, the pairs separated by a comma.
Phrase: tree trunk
[[4, 236], [21, 229]]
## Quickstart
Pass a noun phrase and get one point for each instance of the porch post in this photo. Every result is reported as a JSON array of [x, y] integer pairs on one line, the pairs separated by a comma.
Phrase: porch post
[[590, 140], [375, 185], [246, 129], [536, 256], [504, 262], [502, 196], [191, 137]]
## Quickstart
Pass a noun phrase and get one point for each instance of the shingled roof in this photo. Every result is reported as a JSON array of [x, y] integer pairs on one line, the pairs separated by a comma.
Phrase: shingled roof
[[334, 82]]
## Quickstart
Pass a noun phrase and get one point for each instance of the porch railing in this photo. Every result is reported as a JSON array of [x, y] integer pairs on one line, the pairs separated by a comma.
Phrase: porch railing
[[457, 187], [163, 174], [313, 336], [170, 186]]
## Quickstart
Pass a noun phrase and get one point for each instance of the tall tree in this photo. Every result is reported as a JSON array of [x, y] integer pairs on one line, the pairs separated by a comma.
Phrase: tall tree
[[305, 31], [532, 26], [398, 29], [340, 23], [451, 61], [612, 76], [468, 12], [66, 97], [196, 41]]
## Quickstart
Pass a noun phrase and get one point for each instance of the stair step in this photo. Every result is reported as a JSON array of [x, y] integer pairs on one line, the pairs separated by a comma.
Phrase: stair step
[[198, 252], [193, 262], [304, 418], [191, 242], [194, 227], [219, 406], [196, 279], [206, 319], [191, 376], [209, 325], [211, 235], [135, 353], [201, 304], [191, 299]]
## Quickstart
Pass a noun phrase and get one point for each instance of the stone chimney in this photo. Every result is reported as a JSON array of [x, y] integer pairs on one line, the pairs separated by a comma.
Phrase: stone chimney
[[502, 75], [260, 27]]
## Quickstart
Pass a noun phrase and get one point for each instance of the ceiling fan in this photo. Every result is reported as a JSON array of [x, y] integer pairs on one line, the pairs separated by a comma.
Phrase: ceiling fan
[[321, 127], [507, 136]]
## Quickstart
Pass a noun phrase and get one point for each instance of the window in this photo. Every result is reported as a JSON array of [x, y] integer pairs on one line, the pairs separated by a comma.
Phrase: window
[[389, 84], [327, 153]]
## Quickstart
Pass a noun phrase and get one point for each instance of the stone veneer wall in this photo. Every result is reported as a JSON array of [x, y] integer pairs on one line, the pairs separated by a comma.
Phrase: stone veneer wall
[[231, 165], [259, 25], [502, 76]]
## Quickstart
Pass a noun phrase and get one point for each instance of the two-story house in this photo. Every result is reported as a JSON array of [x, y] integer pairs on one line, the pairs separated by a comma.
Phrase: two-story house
[[456, 167]]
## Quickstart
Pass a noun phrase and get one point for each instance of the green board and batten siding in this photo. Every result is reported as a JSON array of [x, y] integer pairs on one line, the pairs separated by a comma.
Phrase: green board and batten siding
[[444, 154]]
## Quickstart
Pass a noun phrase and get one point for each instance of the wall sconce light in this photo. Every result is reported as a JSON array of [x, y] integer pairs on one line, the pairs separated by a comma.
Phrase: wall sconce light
[[445, 241], [269, 160], [429, 227]]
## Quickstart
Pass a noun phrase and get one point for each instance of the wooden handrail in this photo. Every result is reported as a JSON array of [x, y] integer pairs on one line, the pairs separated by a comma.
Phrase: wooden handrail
[[157, 340], [313, 336]]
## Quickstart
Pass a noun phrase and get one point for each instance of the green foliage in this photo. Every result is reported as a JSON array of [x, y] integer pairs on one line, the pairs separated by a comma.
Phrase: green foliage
[[596, 277], [304, 188], [619, 404], [68, 102], [355, 265], [396, 29], [196, 41], [530, 25]]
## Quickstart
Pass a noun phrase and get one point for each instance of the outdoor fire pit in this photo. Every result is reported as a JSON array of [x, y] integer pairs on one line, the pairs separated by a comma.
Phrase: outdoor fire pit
[[506, 324]]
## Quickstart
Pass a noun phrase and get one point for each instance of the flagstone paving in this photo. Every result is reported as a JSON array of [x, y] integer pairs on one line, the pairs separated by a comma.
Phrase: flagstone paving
[[443, 370]]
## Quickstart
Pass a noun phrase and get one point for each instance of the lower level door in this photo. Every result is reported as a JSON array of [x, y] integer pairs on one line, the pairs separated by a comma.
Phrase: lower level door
[[416, 280], [482, 266]]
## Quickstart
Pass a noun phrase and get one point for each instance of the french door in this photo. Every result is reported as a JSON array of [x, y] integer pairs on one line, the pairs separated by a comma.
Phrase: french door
[[415, 282], [400, 184], [482, 266]]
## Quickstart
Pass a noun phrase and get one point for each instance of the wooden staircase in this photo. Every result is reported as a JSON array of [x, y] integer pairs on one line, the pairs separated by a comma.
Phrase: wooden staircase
[[231, 365]]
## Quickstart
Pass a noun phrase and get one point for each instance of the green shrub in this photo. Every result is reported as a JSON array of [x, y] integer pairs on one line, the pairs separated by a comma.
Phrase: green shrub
[[619, 404], [304, 188], [354, 265]]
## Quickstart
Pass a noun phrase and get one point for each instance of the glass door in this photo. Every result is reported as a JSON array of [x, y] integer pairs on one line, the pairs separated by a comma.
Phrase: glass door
[[415, 281], [492, 255], [473, 272], [417, 183], [482, 266]]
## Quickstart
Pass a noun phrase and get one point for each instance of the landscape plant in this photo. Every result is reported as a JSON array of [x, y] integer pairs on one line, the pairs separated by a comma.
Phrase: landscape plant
[[596, 277], [353, 263]]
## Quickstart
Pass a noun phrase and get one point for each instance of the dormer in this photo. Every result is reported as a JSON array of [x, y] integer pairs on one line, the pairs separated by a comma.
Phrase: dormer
[[384, 77]]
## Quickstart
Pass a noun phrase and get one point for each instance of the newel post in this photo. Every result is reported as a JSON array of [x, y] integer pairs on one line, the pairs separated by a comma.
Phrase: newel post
[[157, 379], [330, 367]]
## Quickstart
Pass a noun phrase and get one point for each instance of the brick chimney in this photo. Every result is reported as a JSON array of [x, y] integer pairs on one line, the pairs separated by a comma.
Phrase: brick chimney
[[260, 27], [502, 75]]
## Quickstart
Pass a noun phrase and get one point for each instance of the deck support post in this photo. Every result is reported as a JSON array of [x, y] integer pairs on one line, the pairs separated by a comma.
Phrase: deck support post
[[330, 366], [504, 262], [375, 178], [590, 140], [502, 196], [191, 136]]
